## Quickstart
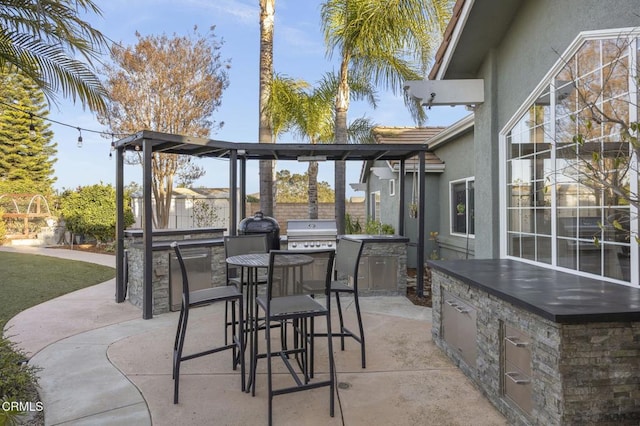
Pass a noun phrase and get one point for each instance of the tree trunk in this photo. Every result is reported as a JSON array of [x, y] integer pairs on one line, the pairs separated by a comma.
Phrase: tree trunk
[[267, 12], [341, 137], [313, 190]]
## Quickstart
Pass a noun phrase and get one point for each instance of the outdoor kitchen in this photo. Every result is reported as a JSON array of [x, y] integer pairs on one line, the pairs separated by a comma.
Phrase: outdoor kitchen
[[382, 270], [546, 347], [204, 252]]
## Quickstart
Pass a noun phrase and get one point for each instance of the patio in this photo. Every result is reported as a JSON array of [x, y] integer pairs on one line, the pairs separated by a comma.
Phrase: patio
[[102, 363]]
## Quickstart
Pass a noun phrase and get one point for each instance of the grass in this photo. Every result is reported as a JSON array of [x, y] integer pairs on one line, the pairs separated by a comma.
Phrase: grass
[[27, 280]]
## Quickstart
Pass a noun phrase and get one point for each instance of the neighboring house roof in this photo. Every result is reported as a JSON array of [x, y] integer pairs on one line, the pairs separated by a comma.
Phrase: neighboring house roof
[[194, 193], [476, 27], [452, 132], [418, 135], [209, 192], [405, 135]]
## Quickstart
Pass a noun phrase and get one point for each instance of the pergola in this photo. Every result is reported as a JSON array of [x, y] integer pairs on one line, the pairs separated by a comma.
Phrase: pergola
[[148, 142]]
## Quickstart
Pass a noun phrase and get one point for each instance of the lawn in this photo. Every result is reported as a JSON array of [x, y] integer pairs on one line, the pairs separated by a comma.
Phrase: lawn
[[27, 280]]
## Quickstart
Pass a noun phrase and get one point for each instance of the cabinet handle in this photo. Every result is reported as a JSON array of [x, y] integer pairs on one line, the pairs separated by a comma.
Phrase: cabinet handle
[[514, 342], [512, 375], [451, 303], [461, 309]]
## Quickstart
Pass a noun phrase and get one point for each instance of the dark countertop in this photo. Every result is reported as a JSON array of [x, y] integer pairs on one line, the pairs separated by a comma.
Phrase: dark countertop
[[370, 238], [189, 243], [557, 296], [164, 232]]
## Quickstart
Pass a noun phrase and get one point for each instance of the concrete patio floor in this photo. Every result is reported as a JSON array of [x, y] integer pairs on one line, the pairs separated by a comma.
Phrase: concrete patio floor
[[102, 364]]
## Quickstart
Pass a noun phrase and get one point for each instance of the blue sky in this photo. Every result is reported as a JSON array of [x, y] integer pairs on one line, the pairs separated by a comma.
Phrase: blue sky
[[299, 52]]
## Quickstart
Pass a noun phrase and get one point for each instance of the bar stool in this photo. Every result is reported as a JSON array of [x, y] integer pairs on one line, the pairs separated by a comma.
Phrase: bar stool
[[193, 299], [287, 304]]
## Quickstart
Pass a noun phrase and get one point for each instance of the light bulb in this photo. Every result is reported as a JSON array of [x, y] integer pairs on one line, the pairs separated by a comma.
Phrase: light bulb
[[79, 138]]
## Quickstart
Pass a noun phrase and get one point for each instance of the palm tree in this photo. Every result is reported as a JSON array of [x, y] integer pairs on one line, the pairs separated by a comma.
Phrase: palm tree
[[310, 114], [389, 41], [280, 107], [42, 38], [267, 12], [284, 98], [313, 120]]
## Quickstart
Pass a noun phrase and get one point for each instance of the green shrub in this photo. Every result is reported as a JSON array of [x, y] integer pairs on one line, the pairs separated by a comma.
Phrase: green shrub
[[91, 210], [375, 227], [352, 226], [16, 378]]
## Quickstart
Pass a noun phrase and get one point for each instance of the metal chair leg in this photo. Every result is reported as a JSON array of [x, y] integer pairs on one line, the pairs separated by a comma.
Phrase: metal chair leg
[[182, 329], [361, 327]]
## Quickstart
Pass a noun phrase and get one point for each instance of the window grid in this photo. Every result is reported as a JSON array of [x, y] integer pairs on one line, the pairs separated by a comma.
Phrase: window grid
[[556, 213], [462, 207]]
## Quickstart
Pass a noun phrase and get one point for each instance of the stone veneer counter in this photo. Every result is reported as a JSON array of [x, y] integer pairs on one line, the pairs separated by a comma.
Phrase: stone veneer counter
[[209, 240], [576, 340], [557, 296], [383, 265]]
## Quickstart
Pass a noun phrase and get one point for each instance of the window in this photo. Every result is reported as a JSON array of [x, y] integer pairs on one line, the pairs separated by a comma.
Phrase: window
[[462, 207], [374, 205], [392, 187], [569, 171]]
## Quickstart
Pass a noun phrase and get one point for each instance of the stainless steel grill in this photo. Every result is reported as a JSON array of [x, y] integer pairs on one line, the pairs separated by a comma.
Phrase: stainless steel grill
[[311, 234]]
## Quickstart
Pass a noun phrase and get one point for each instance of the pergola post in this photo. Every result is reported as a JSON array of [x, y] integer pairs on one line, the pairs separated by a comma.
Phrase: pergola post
[[401, 199], [147, 232], [421, 231], [233, 191], [121, 291], [243, 187]]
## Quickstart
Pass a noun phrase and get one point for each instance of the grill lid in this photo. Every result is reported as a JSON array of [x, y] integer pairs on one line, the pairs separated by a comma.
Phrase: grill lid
[[259, 224], [312, 228]]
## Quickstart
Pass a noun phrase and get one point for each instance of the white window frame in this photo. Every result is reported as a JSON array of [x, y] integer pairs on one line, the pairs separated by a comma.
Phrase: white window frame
[[392, 187], [374, 205], [545, 83], [451, 208]]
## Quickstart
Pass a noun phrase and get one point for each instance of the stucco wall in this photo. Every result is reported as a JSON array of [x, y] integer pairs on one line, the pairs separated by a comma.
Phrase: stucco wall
[[458, 157], [539, 33]]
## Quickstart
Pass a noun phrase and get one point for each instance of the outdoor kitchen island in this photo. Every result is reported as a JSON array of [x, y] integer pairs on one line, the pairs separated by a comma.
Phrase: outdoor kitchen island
[[546, 347], [203, 249], [383, 265]]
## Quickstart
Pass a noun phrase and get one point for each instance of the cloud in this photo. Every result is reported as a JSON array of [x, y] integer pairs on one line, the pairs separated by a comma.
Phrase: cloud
[[299, 38], [245, 12]]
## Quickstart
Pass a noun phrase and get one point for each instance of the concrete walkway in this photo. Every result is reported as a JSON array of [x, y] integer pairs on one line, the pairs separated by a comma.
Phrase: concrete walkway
[[102, 364]]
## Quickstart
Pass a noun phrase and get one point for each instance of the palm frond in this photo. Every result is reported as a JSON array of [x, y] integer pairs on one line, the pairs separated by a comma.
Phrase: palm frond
[[41, 39], [361, 131]]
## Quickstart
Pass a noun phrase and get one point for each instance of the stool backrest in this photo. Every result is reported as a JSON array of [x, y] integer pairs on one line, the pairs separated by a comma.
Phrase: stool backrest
[[235, 245], [347, 260]]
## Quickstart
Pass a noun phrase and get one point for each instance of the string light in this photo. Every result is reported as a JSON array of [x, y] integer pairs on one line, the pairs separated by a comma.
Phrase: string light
[[79, 137], [32, 126], [113, 147]]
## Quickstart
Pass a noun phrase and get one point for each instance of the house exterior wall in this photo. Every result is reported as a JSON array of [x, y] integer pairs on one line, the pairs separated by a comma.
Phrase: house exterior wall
[[432, 203], [458, 156], [539, 34], [388, 206]]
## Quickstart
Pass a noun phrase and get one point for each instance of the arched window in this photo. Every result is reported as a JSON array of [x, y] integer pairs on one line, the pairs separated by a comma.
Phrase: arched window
[[571, 194]]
